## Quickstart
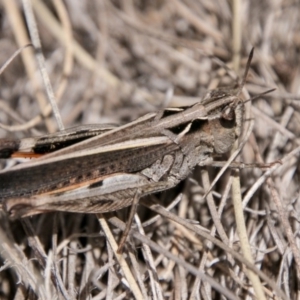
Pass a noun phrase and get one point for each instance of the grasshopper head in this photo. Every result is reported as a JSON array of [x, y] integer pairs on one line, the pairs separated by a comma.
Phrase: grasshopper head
[[227, 127], [225, 108]]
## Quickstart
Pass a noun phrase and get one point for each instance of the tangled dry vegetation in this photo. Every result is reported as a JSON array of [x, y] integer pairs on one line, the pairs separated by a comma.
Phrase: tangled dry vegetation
[[113, 61]]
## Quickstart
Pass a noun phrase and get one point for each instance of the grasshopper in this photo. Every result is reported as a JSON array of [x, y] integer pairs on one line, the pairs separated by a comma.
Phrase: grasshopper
[[98, 170]]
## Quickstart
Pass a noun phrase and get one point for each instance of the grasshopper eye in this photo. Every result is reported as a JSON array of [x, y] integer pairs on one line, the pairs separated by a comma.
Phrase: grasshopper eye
[[228, 113]]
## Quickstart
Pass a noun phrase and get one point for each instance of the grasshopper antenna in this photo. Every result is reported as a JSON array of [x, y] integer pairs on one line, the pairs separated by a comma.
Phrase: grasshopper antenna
[[245, 77], [246, 71], [259, 95]]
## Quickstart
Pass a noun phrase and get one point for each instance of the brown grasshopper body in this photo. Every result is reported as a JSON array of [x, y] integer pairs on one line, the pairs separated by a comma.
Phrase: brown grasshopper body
[[37, 146], [102, 173], [105, 172]]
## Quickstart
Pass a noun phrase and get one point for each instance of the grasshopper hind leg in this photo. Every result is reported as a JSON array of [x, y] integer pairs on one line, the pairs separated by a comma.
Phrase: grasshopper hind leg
[[129, 222]]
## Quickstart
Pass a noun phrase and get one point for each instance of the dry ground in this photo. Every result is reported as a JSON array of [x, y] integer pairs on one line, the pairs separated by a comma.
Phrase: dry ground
[[127, 57]]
